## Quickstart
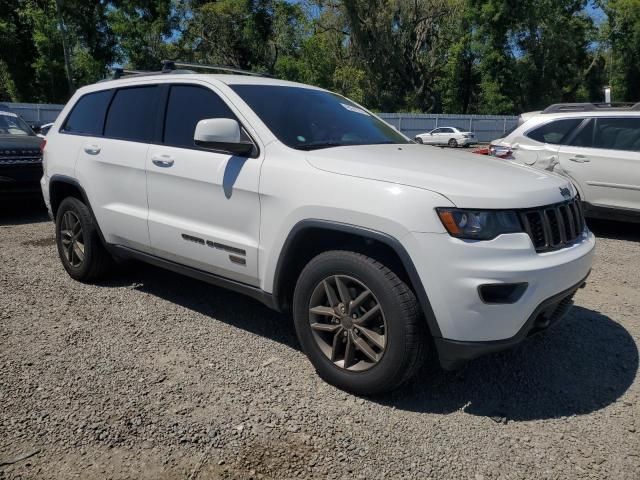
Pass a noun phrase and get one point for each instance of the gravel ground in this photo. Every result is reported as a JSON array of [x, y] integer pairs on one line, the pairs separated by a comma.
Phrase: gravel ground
[[153, 375]]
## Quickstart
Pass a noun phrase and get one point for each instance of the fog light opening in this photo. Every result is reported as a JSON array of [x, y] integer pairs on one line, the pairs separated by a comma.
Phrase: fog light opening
[[502, 293]]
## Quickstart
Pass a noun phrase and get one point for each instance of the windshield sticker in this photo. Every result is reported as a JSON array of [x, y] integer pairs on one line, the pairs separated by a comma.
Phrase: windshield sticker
[[351, 108], [8, 114]]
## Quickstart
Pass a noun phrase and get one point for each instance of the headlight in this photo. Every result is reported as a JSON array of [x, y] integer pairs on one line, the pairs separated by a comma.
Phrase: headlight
[[478, 224]]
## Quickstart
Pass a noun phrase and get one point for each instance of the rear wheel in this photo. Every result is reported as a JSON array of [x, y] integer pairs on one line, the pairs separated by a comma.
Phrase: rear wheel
[[81, 251], [453, 143], [358, 323]]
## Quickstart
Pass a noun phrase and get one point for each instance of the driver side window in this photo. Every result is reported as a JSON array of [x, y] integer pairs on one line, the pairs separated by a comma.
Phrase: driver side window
[[187, 105]]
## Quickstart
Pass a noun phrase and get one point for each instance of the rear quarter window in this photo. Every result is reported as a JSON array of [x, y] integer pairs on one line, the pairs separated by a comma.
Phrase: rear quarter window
[[87, 115], [621, 133]]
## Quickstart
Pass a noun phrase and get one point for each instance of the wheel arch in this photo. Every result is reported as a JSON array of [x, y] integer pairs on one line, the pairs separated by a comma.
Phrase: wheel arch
[[61, 187], [309, 238]]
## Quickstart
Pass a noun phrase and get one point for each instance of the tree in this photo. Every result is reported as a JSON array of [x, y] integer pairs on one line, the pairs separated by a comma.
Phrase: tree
[[144, 31], [621, 33], [16, 50], [401, 46]]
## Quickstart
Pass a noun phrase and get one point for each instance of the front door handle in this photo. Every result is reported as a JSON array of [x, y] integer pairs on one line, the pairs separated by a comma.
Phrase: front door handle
[[164, 161], [579, 159], [92, 149]]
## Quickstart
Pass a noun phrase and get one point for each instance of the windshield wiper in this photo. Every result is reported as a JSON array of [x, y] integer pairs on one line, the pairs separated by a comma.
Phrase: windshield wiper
[[319, 145]]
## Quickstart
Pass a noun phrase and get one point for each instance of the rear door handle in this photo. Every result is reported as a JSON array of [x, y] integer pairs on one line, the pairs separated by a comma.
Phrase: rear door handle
[[579, 159], [164, 161], [92, 149]]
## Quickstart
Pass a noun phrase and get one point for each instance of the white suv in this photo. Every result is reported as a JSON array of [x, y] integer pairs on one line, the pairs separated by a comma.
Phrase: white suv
[[597, 146], [308, 202]]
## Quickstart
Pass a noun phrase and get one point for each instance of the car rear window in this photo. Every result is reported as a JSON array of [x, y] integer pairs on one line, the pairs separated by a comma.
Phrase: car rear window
[[132, 114], [556, 132], [87, 116]]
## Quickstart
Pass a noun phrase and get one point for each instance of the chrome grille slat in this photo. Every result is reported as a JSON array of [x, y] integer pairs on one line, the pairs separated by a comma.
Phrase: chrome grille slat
[[553, 227]]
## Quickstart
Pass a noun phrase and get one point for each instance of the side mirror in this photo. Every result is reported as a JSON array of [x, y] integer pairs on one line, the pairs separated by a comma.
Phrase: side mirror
[[221, 134]]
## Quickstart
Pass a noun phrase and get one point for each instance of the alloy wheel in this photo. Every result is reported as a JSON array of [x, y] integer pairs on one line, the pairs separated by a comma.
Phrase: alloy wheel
[[348, 323], [72, 238]]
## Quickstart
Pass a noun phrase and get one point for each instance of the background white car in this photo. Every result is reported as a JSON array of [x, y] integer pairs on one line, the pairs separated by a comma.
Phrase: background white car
[[447, 136], [596, 145]]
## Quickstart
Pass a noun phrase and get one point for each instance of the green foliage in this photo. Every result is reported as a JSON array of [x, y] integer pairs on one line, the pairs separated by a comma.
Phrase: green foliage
[[452, 56], [622, 35]]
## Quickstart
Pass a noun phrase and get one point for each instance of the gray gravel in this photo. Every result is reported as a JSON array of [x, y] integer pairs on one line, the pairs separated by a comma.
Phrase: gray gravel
[[153, 375]]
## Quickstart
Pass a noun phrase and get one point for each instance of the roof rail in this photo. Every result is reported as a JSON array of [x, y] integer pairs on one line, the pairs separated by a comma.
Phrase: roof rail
[[168, 65], [592, 107], [119, 72]]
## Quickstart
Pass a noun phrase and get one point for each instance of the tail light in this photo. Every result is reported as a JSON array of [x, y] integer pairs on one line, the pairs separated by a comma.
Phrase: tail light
[[43, 144], [500, 151]]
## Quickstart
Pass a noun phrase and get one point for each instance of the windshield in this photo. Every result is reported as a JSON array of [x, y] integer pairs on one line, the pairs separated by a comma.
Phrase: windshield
[[11, 124], [308, 119]]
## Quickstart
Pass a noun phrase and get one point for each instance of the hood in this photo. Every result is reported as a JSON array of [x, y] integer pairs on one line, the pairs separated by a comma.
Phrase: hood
[[468, 180], [19, 145]]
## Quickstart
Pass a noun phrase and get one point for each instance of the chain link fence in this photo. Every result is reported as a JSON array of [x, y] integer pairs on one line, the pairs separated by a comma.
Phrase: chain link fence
[[34, 113], [485, 127]]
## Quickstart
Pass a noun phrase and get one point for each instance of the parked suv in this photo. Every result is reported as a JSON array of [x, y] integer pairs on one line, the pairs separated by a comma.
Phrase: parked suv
[[308, 202], [597, 146], [20, 157]]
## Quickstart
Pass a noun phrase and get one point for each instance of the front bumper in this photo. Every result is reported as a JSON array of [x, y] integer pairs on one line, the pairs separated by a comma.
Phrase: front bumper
[[452, 270], [17, 180], [454, 354]]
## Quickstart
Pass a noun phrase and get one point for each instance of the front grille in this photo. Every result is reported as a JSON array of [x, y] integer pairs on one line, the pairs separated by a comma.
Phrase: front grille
[[19, 160], [554, 226], [20, 156]]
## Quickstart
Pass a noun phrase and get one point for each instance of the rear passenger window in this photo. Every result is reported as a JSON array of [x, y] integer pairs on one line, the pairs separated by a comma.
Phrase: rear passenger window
[[584, 138], [555, 132], [132, 115], [87, 116], [186, 107], [617, 134]]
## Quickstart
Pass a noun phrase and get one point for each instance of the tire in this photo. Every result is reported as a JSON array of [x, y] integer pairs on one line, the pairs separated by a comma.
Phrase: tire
[[453, 143], [83, 255], [419, 140], [397, 325]]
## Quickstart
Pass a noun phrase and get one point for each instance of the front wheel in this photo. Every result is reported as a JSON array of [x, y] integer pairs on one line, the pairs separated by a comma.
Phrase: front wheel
[[358, 323], [419, 140]]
